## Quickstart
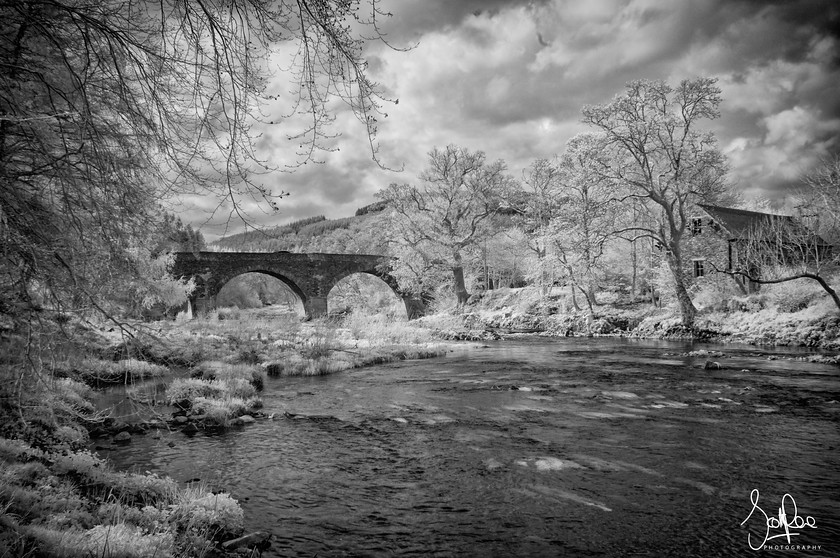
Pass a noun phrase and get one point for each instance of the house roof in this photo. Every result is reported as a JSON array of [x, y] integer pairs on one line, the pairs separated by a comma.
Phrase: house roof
[[739, 222]]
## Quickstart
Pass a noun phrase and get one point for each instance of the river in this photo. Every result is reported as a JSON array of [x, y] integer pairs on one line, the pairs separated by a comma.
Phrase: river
[[532, 447]]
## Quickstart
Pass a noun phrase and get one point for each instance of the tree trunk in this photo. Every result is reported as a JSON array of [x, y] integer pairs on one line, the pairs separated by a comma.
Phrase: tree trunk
[[634, 260], [458, 281], [687, 309], [590, 304], [574, 298]]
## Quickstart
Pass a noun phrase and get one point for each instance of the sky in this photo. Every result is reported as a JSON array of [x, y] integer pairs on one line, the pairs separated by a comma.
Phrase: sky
[[509, 77]]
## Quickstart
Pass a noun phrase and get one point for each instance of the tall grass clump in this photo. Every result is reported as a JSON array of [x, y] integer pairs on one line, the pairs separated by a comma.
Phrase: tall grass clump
[[217, 370], [96, 372], [380, 329]]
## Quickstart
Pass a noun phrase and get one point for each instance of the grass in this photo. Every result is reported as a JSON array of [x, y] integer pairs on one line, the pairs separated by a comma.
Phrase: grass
[[72, 504], [97, 372]]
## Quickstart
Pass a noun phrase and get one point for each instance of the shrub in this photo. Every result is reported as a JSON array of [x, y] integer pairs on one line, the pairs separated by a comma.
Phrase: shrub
[[201, 511], [793, 296]]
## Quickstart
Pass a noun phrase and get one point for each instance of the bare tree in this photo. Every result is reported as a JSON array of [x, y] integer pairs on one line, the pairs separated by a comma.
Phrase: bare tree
[[658, 153], [586, 220], [450, 213]]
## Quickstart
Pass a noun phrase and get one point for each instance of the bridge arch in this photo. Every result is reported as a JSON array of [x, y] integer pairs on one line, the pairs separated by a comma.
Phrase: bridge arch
[[366, 288], [309, 276], [255, 288]]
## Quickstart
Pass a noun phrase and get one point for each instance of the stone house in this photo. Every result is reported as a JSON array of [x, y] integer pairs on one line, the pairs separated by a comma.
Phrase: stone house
[[718, 239]]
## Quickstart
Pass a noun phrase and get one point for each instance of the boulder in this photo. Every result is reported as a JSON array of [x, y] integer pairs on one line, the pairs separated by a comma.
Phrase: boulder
[[122, 438]]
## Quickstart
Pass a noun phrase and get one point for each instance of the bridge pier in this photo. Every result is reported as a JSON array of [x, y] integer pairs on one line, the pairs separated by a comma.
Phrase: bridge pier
[[203, 305], [315, 307]]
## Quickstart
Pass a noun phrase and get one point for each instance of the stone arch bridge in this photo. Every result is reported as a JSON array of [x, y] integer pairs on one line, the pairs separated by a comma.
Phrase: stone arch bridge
[[309, 276]]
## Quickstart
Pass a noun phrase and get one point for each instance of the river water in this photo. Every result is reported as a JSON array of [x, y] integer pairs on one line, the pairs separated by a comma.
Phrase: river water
[[532, 447]]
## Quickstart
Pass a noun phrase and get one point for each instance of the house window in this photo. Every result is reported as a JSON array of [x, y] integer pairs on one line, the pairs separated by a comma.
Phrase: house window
[[699, 268], [696, 226]]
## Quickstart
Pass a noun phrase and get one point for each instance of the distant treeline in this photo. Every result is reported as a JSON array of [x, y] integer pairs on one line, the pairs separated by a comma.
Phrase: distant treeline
[[371, 208]]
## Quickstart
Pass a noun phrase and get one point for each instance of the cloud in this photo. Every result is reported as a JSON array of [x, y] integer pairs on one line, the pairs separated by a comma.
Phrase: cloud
[[509, 77]]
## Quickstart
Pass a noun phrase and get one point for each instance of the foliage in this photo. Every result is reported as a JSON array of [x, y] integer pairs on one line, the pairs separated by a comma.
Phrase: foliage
[[174, 236]]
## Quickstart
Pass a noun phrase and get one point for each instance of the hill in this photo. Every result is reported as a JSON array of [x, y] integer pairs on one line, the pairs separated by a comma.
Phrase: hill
[[359, 234]]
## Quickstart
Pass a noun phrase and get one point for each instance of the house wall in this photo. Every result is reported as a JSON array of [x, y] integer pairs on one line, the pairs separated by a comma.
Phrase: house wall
[[712, 247]]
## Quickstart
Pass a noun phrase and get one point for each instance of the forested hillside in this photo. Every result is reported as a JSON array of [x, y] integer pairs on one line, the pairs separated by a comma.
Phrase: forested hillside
[[359, 234]]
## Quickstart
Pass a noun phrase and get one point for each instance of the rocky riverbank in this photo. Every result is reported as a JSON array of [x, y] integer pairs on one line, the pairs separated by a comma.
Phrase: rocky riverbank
[[753, 321]]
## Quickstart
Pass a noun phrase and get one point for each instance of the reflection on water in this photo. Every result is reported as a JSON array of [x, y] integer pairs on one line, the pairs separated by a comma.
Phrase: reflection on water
[[529, 448]]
